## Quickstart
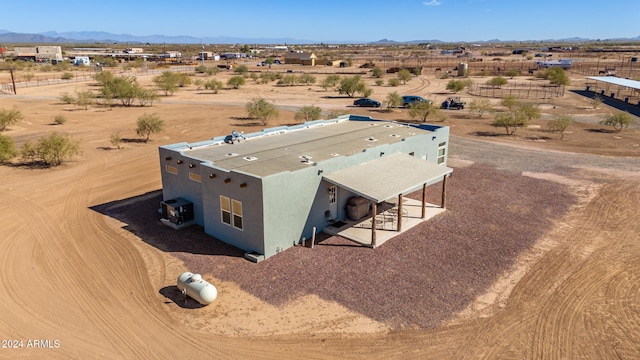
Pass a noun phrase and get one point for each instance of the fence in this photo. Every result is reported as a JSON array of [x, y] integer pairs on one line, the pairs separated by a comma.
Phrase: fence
[[518, 90], [56, 79]]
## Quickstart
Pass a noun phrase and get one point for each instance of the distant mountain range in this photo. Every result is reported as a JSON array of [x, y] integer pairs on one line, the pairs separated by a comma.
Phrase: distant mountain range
[[109, 38]]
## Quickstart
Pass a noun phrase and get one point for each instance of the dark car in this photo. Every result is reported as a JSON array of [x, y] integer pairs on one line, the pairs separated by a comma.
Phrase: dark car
[[366, 102], [408, 100]]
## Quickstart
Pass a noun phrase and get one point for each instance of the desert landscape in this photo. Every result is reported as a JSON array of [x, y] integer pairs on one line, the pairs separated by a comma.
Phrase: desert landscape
[[537, 255]]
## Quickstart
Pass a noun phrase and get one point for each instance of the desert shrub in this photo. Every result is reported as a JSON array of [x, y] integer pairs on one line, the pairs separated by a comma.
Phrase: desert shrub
[[241, 69], [379, 82], [51, 150], [149, 124], [334, 113], [7, 148], [377, 72], [618, 121], [330, 81], [456, 85], [393, 100], [9, 117], [422, 110], [236, 81], [308, 113], [393, 82], [59, 119], [116, 140], [288, 80], [596, 101], [353, 85], [497, 82], [213, 85], [560, 123], [261, 109], [479, 106], [85, 98], [404, 75], [307, 79], [67, 76], [67, 98]]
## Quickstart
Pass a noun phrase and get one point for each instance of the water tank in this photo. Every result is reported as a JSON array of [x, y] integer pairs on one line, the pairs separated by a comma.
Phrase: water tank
[[196, 288], [462, 69]]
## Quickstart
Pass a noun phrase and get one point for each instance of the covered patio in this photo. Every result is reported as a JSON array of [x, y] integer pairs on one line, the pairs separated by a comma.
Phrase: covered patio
[[383, 183]]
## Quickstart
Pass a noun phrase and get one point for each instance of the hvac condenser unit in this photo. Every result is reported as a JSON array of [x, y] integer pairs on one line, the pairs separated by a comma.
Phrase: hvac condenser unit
[[177, 213]]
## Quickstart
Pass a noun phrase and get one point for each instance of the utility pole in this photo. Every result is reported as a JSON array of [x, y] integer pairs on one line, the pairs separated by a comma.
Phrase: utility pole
[[202, 54]]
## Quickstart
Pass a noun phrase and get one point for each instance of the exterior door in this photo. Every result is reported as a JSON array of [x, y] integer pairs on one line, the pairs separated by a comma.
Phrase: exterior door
[[333, 203]]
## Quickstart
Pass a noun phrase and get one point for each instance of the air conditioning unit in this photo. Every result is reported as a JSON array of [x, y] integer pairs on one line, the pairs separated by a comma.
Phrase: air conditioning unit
[[177, 213]]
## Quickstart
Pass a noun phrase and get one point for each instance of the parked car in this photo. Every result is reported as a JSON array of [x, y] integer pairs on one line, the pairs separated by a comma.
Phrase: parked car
[[453, 103], [366, 102], [407, 100]]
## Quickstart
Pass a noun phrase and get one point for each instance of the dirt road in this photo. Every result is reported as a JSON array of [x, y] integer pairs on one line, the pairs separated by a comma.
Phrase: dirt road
[[73, 275]]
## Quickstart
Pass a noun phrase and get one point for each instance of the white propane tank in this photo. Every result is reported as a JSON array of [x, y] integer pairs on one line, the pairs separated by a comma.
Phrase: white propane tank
[[462, 69], [197, 289]]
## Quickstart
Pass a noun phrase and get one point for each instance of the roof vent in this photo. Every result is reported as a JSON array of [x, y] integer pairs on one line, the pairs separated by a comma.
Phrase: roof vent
[[394, 135], [371, 139], [306, 159], [335, 154], [388, 126], [250, 158], [231, 154]]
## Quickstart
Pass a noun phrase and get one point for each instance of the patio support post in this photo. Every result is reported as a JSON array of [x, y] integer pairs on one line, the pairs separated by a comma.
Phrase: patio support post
[[373, 224], [424, 200], [399, 212], [444, 192]]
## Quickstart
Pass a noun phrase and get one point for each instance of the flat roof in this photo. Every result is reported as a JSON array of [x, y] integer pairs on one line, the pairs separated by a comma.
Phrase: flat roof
[[388, 176], [292, 148], [617, 81]]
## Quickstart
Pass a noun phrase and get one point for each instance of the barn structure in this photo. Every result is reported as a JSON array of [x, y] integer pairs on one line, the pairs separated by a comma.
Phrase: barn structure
[[267, 191], [300, 58], [626, 90]]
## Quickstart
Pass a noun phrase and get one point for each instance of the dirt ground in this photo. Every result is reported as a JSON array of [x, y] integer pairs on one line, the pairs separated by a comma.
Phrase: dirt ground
[[90, 285]]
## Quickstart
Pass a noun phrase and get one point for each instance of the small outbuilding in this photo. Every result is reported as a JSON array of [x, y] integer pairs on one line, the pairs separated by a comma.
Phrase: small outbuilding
[[300, 58]]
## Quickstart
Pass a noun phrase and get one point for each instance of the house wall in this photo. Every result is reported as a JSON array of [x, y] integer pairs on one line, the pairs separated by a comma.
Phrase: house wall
[[251, 237]]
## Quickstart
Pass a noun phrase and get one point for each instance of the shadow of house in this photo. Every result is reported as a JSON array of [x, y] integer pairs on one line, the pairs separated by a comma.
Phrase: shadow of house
[[139, 214]]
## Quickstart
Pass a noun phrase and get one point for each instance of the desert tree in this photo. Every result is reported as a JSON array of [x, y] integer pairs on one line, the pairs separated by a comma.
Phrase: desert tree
[[9, 117], [66, 98], [352, 85], [261, 109], [560, 123], [456, 85], [422, 110], [509, 102], [149, 124], [497, 82], [51, 150], [393, 100], [183, 79], [618, 120], [404, 75], [269, 61], [147, 96], [518, 116], [377, 72], [7, 148], [330, 81], [557, 76], [479, 106], [334, 113], [213, 85], [393, 82], [512, 73], [307, 79], [85, 98], [308, 113], [236, 81], [241, 70], [168, 82]]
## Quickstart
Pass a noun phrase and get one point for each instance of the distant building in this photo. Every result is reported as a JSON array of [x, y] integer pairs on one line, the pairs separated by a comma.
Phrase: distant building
[[38, 53], [300, 58]]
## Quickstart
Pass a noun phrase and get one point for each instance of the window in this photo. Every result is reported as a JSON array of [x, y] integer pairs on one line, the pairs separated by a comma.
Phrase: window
[[332, 194], [442, 152], [237, 214], [229, 207], [171, 169], [225, 209], [195, 177]]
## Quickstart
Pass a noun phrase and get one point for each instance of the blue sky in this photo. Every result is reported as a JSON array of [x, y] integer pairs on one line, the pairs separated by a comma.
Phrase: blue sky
[[332, 20]]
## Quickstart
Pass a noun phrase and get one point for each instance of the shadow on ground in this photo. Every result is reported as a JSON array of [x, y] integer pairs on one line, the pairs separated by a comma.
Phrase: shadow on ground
[[139, 214], [615, 103]]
